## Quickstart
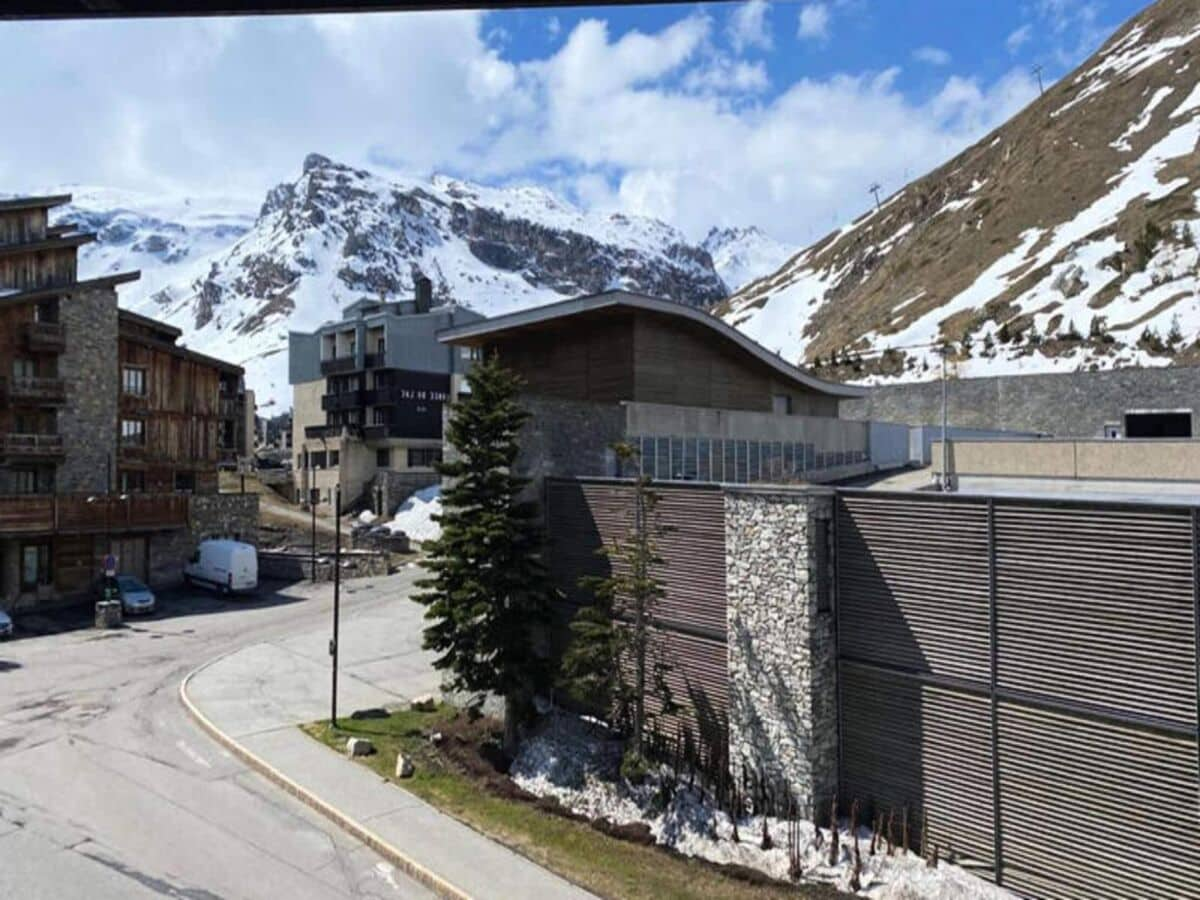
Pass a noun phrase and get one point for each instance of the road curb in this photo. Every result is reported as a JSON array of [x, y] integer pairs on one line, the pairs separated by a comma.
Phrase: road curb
[[402, 861]]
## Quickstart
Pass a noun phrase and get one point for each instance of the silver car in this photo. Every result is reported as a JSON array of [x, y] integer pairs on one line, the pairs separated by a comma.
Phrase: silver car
[[6, 625], [135, 596]]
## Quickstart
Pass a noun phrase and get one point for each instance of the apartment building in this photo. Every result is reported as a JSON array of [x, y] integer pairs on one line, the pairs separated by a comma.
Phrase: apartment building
[[110, 433], [368, 397]]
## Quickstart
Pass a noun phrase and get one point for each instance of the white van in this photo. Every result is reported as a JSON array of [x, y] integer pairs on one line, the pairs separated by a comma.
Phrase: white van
[[228, 566]]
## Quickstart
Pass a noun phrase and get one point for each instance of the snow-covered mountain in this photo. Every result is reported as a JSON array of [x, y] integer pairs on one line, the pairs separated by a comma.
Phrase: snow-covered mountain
[[1066, 239], [741, 255], [237, 282]]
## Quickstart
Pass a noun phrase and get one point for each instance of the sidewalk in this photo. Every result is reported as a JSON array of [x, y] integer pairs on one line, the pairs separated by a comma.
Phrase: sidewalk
[[253, 699]]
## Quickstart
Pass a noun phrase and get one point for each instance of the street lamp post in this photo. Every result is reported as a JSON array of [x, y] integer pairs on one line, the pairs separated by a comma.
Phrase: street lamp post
[[337, 583], [312, 506]]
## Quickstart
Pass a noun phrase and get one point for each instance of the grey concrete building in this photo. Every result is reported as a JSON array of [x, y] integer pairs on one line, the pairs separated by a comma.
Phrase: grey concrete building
[[368, 394]]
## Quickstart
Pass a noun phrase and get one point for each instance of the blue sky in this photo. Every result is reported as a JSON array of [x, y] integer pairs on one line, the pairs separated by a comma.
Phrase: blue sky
[[773, 114]]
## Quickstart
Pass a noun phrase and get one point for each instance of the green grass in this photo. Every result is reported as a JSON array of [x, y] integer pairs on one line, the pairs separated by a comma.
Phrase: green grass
[[604, 865]]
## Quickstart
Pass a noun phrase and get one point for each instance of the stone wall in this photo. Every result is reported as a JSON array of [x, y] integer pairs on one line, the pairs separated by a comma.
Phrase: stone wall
[[1077, 404], [224, 516], [782, 662], [88, 422], [210, 516], [569, 438], [389, 488]]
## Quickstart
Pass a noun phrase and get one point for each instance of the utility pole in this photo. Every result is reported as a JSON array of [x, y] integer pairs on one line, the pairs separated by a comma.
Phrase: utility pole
[[875, 189], [1037, 71], [946, 483], [312, 506], [337, 583]]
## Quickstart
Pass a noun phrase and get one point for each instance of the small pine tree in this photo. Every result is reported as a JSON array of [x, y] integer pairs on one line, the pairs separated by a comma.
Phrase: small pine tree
[[989, 345], [487, 594], [1004, 334], [612, 661], [1175, 335], [1032, 337]]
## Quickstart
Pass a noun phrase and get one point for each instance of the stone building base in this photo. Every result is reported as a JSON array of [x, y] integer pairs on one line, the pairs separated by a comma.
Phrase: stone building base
[[782, 653]]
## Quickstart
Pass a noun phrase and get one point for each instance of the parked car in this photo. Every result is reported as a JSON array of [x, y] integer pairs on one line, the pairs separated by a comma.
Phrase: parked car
[[135, 597], [6, 625], [228, 566]]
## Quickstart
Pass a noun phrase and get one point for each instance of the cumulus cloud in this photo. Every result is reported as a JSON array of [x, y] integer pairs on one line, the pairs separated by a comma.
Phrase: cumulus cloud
[[1018, 38], [750, 27], [660, 123], [934, 56], [814, 22]]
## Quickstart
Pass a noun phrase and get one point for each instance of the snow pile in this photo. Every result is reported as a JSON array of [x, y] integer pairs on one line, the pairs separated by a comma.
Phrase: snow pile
[[415, 515], [575, 762]]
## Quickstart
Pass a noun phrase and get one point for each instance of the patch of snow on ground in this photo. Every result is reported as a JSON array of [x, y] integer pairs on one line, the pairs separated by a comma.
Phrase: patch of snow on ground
[[1122, 143], [575, 762], [415, 515], [1191, 102], [367, 517]]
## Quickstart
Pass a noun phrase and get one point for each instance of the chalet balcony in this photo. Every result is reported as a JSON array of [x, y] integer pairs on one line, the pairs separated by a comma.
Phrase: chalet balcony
[[373, 361], [91, 514], [45, 336], [338, 365], [344, 400], [35, 391], [227, 407], [31, 446]]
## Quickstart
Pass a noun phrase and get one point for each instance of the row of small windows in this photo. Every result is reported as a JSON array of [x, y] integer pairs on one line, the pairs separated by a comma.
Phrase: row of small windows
[[734, 461], [418, 458]]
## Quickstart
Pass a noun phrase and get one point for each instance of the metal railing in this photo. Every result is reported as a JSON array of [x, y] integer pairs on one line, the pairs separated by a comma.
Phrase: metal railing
[[736, 460], [338, 364], [32, 388]]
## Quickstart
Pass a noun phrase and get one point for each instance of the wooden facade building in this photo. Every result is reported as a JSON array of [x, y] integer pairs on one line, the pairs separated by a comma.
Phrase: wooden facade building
[[107, 426]]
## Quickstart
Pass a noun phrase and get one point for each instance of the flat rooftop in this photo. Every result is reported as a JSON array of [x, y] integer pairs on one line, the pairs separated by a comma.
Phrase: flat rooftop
[[1148, 491]]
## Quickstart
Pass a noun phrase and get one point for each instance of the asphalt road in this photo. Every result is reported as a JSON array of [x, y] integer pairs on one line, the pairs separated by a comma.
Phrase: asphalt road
[[109, 790]]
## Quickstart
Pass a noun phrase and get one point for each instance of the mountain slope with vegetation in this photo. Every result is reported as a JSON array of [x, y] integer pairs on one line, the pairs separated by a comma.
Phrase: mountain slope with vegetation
[[1064, 240]]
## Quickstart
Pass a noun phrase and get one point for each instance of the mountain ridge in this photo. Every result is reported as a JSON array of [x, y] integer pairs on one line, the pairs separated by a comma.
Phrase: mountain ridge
[[1063, 240]]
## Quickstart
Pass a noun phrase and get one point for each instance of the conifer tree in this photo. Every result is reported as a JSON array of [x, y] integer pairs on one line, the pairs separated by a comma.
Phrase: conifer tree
[[612, 660], [488, 592]]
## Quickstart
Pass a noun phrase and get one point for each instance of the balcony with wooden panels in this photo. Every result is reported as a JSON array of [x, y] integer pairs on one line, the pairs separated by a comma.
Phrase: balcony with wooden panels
[[31, 446], [33, 391], [43, 337], [91, 514]]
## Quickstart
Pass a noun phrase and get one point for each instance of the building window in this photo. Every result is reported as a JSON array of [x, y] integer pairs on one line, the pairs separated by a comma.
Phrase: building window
[[133, 381], [35, 566], [132, 482], [185, 481], [781, 404], [383, 458], [318, 459], [379, 416], [24, 481], [471, 353], [424, 457], [24, 368], [133, 433], [333, 459]]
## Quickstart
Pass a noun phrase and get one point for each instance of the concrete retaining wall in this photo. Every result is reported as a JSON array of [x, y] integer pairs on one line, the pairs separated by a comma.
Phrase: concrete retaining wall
[[1077, 404], [1112, 460]]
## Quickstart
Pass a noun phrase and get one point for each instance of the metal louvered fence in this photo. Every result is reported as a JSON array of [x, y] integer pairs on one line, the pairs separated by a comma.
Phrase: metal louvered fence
[[1025, 674]]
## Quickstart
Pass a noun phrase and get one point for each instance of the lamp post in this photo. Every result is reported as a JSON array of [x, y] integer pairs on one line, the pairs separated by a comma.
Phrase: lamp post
[[312, 506], [337, 583]]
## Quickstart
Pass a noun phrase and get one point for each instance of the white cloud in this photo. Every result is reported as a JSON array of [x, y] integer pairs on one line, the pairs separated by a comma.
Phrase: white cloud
[[1018, 38], [934, 56], [659, 123], [814, 22], [750, 27]]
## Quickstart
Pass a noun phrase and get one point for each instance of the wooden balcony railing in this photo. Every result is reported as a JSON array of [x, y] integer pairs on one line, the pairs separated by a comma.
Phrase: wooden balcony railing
[[91, 514], [24, 389], [31, 446], [45, 336]]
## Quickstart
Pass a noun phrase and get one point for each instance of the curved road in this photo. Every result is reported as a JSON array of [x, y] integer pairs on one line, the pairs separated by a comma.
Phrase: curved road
[[109, 790]]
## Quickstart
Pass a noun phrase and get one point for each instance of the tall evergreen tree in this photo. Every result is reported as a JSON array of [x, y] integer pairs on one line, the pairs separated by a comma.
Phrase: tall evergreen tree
[[612, 660], [488, 592]]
